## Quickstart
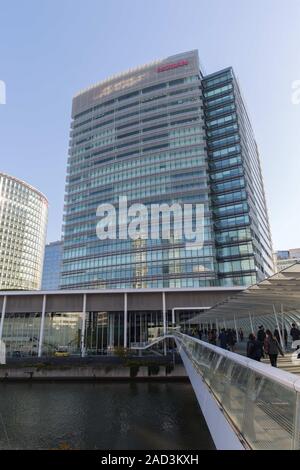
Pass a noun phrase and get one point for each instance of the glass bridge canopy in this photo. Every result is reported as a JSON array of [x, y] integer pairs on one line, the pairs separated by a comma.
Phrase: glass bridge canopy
[[279, 293]]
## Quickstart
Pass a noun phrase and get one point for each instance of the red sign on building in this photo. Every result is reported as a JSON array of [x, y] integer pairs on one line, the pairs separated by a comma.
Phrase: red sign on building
[[163, 68]]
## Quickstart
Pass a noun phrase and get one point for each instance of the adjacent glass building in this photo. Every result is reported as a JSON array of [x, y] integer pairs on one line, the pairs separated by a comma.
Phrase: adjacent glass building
[[23, 224], [52, 266], [165, 133], [286, 258]]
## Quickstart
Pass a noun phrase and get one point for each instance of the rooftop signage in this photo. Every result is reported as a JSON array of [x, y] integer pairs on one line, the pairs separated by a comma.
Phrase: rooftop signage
[[164, 68]]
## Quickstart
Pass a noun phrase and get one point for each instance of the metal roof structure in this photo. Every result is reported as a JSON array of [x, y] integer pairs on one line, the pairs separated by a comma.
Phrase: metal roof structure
[[280, 292]]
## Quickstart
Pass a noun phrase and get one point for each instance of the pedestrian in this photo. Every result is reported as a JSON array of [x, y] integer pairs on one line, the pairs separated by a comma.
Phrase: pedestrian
[[213, 338], [241, 335], [254, 348], [261, 335], [199, 333], [277, 335], [223, 339], [285, 336], [231, 340], [272, 348], [295, 332]]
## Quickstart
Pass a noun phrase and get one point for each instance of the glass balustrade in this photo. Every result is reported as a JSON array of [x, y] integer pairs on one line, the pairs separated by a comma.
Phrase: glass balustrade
[[261, 403]]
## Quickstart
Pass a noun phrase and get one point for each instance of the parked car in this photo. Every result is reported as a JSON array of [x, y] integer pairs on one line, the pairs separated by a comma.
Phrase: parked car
[[61, 352]]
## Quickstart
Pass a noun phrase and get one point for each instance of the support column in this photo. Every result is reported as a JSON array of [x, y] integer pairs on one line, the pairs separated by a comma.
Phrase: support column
[[251, 324], [164, 312], [42, 326], [3, 315], [282, 324], [236, 330], [164, 320], [173, 317], [278, 328], [125, 320], [82, 347]]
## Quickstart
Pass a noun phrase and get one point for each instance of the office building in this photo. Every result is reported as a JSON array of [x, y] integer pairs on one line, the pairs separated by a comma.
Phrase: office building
[[52, 266], [165, 134], [23, 225], [285, 258]]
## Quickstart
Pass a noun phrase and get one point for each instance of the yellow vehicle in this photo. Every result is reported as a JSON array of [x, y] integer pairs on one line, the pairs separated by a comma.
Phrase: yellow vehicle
[[61, 352]]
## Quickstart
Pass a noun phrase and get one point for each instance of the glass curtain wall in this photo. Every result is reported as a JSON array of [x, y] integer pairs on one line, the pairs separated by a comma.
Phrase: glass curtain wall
[[62, 331], [21, 334]]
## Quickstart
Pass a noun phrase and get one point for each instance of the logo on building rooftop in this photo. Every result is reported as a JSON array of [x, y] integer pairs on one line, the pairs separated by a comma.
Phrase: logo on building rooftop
[[164, 68]]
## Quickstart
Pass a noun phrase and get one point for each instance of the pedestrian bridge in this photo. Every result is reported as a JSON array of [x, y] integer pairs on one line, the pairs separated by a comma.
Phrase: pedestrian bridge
[[246, 404]]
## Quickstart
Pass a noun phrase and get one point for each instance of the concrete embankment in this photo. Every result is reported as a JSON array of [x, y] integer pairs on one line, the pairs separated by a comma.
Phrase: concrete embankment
[[92, 372]]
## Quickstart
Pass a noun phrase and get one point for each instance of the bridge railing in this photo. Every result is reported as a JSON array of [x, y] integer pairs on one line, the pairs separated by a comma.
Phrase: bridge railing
[[261, 402]]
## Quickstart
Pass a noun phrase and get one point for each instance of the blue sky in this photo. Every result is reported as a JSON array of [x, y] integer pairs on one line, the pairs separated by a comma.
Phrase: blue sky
[[50, 49]]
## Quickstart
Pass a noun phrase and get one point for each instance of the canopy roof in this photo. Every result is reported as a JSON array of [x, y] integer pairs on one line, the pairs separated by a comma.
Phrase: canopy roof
[[280, 292]]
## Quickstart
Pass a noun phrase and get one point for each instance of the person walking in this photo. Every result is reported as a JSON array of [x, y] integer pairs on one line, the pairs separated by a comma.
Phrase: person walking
[[231, 340], [199, 333], [261, 335], [254, 348], [295, 332], [241, 335], [277, 335], [213, 337], [272, 348], [285, 337], [223, 339]]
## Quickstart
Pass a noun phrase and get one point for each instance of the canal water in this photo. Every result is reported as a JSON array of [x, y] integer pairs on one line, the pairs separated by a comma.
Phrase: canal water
[[108, 416]]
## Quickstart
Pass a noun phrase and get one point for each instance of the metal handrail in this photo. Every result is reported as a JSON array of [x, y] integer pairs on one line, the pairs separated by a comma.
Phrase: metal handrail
[[282, 377]]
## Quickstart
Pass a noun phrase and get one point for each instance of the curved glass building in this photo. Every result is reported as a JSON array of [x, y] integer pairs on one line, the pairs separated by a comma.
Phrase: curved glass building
[[23, 224], [165, 134]]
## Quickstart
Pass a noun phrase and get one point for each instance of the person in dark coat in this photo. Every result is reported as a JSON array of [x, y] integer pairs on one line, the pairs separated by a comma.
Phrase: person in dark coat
[[295, 332], [213, 337], [277, 335], [223, 339], [285, 336], [272, 348], [254, 348], [261, 335], [231, 339]]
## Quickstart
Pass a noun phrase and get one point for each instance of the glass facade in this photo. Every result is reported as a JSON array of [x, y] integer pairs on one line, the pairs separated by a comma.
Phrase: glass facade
[[241, 225], [52, 266], [104, 331], [23, 223], [164, 133], [21, 333]]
